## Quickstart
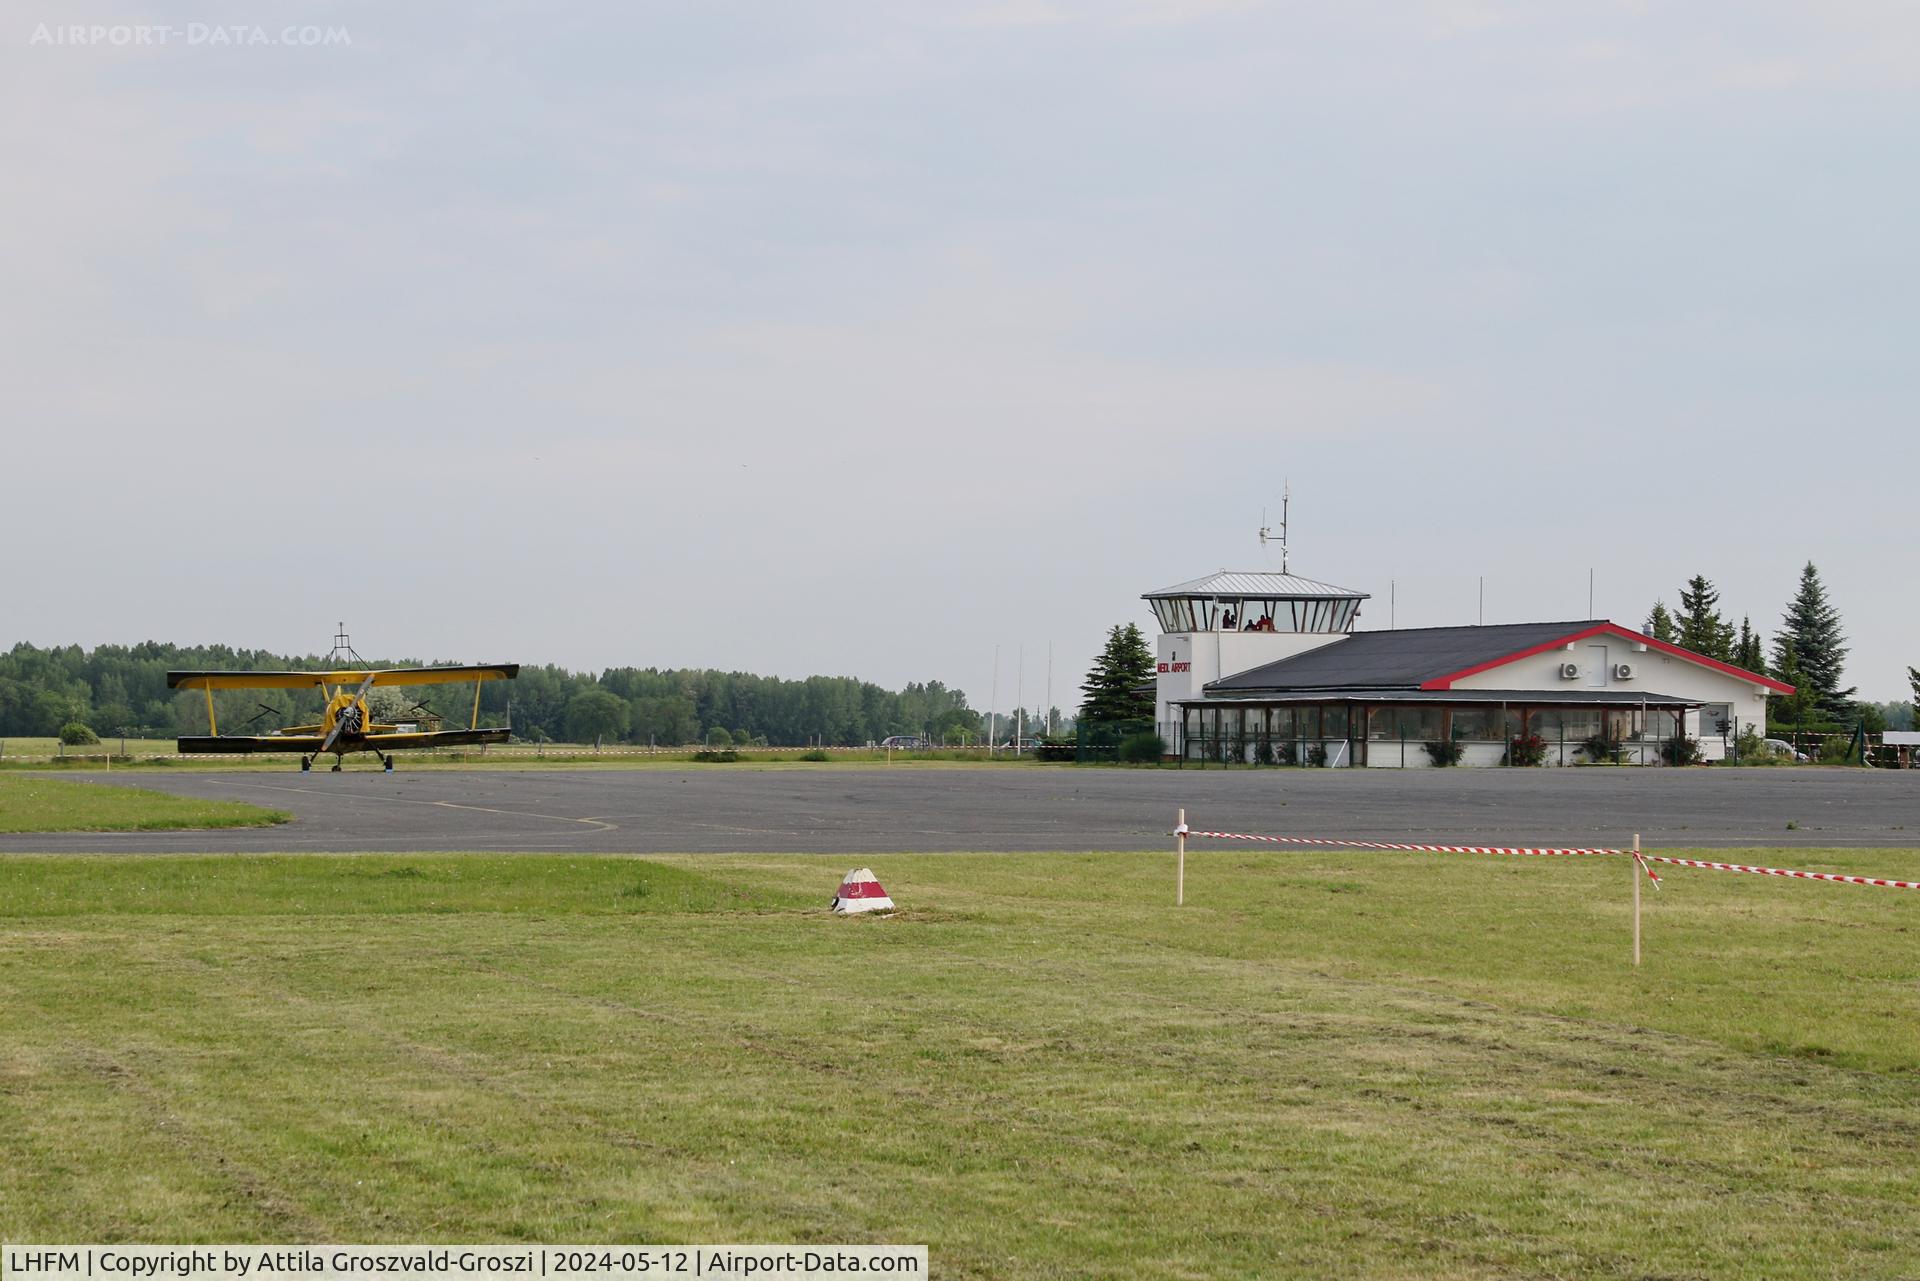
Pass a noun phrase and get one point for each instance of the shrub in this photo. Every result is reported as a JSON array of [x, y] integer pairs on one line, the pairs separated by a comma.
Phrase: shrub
[[1681, 751], [1527, 749], [1317, 755], [1263, 752], [1601, 749], [815, 755], [1057, 749], [1751, 749], [719, 736], [1287, 753], [1444, 753], [1835, 749], [74, 734], [725, 755], [1142, 748]]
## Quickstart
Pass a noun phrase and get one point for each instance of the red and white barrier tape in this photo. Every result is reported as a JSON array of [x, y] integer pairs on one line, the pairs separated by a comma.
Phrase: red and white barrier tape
[[1782, 871], [1184, 830], [1642, 858]]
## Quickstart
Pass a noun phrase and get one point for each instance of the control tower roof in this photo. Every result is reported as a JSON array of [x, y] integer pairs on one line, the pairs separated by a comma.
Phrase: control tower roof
[[1234, 583]]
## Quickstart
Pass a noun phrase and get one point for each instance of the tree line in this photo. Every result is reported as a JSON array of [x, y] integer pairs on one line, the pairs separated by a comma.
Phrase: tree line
[[1809, 652], [117, 689]]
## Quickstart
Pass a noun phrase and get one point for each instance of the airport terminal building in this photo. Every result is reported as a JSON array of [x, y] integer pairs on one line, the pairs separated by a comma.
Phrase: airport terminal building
[[1268, 668]]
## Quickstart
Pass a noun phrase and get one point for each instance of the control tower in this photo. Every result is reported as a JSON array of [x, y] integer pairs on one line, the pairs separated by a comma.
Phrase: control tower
[[1229, 622]]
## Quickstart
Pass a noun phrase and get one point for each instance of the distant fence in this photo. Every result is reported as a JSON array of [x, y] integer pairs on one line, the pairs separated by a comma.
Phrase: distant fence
[[105, 753]]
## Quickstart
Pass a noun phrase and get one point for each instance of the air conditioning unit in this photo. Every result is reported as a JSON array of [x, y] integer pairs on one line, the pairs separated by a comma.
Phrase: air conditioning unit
[[1569, 671], [1623, 671]]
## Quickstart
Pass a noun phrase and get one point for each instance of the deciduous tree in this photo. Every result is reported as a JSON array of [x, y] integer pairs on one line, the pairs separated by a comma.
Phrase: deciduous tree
[[593, 714]]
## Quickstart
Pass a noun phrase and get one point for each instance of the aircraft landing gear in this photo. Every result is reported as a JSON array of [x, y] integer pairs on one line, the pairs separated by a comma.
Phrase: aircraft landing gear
[[306, 763], [388, 762], [336, 765]]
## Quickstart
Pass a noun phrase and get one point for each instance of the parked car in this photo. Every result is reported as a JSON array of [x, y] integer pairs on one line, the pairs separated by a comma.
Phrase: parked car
[[904, 743], [1780, 747], [1020, 744]]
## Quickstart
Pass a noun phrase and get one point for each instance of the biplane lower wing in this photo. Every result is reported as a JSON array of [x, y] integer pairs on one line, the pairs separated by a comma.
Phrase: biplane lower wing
[[240, 744], [307, 745], [437, 738]]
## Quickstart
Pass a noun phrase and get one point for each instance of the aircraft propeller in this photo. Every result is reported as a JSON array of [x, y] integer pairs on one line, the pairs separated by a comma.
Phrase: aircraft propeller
[[349, 717]]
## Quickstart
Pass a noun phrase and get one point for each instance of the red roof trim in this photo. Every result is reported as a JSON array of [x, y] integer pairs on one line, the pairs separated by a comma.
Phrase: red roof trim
[[1610, 629]]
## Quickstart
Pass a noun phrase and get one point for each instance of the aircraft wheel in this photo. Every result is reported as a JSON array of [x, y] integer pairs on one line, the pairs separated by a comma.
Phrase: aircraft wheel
[[305, 764], [336, 767]]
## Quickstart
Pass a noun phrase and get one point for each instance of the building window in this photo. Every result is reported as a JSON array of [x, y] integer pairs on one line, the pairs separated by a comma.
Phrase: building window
[[1479, 724], [1416, 724], [1333, 720], [1569, 724]]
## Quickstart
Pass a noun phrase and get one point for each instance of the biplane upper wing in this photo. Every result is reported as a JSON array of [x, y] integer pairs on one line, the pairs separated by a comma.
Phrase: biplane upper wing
[[309, 744], [312, 680]]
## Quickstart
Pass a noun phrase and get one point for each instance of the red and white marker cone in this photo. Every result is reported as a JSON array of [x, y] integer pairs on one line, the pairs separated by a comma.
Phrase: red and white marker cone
[[859, 892]]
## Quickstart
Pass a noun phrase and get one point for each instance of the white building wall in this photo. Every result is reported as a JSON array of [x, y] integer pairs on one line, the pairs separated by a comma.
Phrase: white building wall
[[1598, 659], [1186, 661]]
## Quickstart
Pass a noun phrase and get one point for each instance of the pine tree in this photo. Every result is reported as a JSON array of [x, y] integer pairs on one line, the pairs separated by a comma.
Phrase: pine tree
[[1913, 680], [1660, 623], [1750, 653], [1113, 689], [1791, 711], [1701, 629], [1810, 636]]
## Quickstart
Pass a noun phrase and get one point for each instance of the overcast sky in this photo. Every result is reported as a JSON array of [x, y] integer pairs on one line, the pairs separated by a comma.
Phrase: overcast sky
[[860, 338]]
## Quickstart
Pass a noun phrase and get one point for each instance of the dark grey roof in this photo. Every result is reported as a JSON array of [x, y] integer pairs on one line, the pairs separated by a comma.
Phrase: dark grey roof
[[1403, 659], [1620, 696]]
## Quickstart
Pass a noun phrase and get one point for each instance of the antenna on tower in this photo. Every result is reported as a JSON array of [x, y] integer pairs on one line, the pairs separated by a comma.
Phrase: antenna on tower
[[1266, 531], [343, 646]]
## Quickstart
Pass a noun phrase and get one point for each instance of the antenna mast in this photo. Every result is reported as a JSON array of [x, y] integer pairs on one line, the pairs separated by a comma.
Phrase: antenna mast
[[343, 645], [1266, 531]]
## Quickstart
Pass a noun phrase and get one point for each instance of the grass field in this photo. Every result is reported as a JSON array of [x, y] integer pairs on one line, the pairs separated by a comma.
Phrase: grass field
[[32, 748], [1326, 1065], [36, 803], [40, 755]]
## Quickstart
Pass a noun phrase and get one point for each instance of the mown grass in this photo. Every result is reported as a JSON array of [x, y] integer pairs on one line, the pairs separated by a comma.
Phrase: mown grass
[[35, 803], [518, 756], [1326, 1065], [15, 745]]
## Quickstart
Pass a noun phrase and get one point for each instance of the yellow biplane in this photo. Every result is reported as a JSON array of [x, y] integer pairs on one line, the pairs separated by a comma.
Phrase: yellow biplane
[[345, 724]]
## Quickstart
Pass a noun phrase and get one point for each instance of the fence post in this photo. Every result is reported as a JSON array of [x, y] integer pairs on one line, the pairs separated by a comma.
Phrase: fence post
[[1635, 869], [1180, 860]]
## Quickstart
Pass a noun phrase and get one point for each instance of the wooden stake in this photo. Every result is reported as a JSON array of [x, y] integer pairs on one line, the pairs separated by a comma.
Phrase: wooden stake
[[1180, 860], [1636, 898]]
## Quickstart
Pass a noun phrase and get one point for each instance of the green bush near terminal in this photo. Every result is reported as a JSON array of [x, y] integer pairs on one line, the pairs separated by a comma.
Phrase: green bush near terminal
[[1327, 1064]]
